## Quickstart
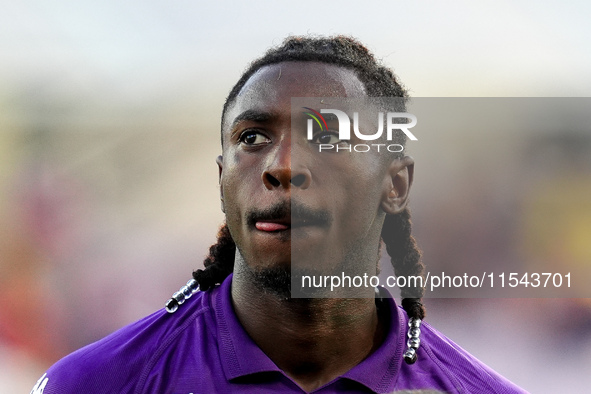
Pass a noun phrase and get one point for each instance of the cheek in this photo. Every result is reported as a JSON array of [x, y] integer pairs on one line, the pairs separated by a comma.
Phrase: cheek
[[238, 184], [234, 208], [357, 180], [361, 199], [233, 194]]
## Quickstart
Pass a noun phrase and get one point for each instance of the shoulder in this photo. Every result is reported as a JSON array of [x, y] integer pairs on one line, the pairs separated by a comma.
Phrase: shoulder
[[120, 361], [465, 371]]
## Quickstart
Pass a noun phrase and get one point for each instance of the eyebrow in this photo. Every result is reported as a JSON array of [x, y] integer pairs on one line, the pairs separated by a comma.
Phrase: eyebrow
[[251, 115]]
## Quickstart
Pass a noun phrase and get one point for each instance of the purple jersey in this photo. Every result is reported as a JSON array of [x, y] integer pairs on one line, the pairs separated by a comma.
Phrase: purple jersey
[[202, 348]]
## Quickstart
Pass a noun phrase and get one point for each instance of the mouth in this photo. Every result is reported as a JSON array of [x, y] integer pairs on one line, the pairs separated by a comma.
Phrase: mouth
[[276, 218], [284, 217], [272, 226]]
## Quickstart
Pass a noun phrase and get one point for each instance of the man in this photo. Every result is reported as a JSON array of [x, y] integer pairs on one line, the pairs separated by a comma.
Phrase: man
[[243, 332]]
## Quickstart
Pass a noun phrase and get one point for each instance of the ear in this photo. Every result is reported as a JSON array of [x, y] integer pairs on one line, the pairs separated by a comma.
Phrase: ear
[[397, 185], [220, 162]]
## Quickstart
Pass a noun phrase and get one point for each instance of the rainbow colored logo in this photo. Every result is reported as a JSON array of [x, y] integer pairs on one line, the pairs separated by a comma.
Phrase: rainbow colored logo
[[315, 115]]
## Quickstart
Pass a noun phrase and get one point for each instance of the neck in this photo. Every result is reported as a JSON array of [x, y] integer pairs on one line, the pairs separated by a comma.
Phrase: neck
[[312, 340]]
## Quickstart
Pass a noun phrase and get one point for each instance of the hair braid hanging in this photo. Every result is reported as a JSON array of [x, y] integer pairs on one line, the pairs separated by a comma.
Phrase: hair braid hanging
[[406, 259], [220, 261]]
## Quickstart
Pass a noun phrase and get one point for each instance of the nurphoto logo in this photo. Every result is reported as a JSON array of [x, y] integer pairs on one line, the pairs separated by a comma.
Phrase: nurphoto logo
[[341, 143]]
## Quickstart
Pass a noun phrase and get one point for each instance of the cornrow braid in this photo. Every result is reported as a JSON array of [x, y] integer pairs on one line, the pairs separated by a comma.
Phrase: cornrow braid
[[406, 260], [220, 261]]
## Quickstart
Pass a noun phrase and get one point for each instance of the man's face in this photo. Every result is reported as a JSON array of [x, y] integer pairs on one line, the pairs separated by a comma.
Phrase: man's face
[[282, 198]]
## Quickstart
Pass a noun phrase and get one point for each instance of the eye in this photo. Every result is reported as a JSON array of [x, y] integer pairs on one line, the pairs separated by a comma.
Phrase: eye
[[253, 137], [327, 137]]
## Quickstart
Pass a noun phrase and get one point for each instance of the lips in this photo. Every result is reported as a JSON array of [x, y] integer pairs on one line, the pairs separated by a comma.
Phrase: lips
[[271, 226], [285, 216], [285, 224], [276, 218]]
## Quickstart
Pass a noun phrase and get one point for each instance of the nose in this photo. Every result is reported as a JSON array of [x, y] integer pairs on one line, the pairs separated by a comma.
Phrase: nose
[[282, 173]]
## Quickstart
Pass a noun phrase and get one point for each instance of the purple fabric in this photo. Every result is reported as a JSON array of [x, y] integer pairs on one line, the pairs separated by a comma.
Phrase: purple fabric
[[202, 348]]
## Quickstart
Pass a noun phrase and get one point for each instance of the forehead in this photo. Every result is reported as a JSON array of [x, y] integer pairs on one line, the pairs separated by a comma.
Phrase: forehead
[[272, 87]]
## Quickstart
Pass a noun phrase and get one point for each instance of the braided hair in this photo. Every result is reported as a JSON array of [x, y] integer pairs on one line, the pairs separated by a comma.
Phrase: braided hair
[[379, 81]]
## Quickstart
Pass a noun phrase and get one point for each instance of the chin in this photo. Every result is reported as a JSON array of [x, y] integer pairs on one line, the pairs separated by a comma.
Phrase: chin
[[274, 280]]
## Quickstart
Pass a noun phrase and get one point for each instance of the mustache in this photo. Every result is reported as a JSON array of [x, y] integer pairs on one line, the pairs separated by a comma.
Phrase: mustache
[[298, 212]]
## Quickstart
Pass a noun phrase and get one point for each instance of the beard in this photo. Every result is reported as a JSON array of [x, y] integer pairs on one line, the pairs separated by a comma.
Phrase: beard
[[286, 282], [275, 280]]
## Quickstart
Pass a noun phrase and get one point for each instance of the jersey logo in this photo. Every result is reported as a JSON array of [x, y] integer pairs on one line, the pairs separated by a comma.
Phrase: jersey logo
[[40, 386]]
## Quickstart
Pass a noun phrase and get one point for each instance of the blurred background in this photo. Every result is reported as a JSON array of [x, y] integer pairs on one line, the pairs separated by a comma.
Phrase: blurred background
[[109, 128]]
